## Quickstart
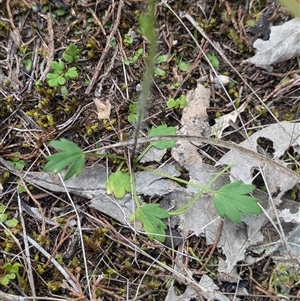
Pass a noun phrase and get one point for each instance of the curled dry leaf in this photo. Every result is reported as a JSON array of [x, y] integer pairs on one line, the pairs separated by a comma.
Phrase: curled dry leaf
[[103, 109], [282, 45]]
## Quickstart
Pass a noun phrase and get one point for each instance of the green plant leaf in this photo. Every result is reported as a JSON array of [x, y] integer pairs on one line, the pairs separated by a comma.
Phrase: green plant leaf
[[12, 222], [71, 156], [151, 215], [182, 66], [71, 73], [159, 71], [118, 183], [182, 101], [12, 268], [213, 60], [64, 90], [3, 217], [57, 67], [175, 86], [54, 79], [171, 103], [7, 278], [161, 59], [126, 62], [133, 108], [61, 80], [17, 162], [28, 64], [163, 130], [132, 118], [231, 201], [60, 12], [70, 55]]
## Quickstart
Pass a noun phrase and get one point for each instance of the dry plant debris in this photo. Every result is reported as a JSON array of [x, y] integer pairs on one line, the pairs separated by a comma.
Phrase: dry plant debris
[[71, 240]]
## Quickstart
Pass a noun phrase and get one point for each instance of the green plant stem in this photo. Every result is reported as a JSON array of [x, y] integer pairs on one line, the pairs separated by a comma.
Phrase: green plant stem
[[191, 251], [147, 81], [202, 189], [143, 152], [133, 189], [109, 156]]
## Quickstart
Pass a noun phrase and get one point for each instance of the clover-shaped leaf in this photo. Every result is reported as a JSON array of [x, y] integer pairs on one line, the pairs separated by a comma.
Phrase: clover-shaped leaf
[[6, 278], [151, 216], [57, 67], [71, 156], [70, 55], [118, 183], [71, 73], [231, 201], [54, 79], [163, 130]]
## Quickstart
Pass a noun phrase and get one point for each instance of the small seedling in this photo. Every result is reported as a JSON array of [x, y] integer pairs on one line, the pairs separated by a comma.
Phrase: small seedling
[[4, 218], [177, 103], [11, 272], [184, 67], [213, 60], [17, 162], [160, 59], [133, 116], [175, 86], [58, 77], [128, 39], [135, 58], [71, 54], [60, 73]]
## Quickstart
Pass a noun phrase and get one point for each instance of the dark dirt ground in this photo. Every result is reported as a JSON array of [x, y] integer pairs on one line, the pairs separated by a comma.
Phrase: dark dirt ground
[[32, 115]]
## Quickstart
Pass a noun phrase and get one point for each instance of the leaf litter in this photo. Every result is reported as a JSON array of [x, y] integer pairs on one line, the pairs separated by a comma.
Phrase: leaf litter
[[282, 45], [235, 238]]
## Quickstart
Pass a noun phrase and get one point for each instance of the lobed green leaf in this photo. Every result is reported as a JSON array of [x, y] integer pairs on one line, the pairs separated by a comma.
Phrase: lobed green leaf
[[118, 183], [70, 55], [71, 156], [151, 215], [163, 130], [231, 201]]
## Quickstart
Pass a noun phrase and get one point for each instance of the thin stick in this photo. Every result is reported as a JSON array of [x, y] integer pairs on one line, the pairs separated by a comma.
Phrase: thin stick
[[27, 252], [104, 52], [54, 262]]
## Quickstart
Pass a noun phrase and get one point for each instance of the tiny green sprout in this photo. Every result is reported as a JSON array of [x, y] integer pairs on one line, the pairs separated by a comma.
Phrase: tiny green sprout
[[213, 60], [160, 72], [135, 58], [4, 218], [27, 64], [60, 73], [177, 103], [184, 67], [58, 77], [60, 12], [17, 162], [71, 54], [128, 39], [133, 116], [160, 59], [175, 86], [11, 273]]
